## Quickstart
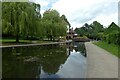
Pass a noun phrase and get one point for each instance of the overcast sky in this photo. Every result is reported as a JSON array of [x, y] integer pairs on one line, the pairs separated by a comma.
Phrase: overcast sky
[[79, 12]]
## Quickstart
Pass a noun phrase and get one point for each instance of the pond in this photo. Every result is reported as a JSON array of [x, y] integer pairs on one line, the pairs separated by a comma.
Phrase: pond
[[49, 61]]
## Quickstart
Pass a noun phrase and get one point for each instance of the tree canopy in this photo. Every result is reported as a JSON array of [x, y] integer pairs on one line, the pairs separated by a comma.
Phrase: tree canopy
[[23, 20], [55, 26], [91, 30], [96, 31]]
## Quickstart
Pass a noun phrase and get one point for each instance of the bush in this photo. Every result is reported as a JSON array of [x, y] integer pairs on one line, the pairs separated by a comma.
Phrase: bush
[[112, 38], [118, 39]]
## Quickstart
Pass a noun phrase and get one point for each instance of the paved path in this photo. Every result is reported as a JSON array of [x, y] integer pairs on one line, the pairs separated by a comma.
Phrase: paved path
[[36, 44], [100, 63]]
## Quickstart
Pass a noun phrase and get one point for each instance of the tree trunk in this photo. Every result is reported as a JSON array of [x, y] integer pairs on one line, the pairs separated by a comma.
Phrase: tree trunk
[[17, 39], [17, 32], [51, 38], [17, 35], [17, 28]]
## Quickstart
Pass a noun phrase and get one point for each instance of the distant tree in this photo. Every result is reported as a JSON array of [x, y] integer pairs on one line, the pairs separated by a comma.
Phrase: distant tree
[[65, 19], [54, 24], [92, 31], [97, 27], [112, 34], [112, 28]]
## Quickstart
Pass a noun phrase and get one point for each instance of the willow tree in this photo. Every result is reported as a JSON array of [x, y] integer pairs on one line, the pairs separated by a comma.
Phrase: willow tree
[[65, 19], [31, 15], [19, 19], [55, 26], [7, 20]]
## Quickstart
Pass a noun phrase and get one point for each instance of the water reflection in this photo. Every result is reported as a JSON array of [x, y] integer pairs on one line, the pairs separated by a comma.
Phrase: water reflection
[[53, 61], [78, 47]]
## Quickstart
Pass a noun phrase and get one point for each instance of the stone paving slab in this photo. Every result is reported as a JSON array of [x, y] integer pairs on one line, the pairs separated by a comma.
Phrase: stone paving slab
[[100, 63]]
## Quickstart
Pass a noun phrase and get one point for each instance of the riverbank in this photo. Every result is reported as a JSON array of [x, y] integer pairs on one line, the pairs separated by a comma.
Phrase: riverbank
[[35, 44], [112, 48], [100, 63]]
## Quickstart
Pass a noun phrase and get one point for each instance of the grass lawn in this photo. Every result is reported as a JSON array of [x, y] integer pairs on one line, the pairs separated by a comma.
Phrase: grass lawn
[[112, 48], [12, 40]]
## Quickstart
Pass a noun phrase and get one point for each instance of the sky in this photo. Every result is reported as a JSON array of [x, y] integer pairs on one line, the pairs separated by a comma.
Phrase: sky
[[79, 12]]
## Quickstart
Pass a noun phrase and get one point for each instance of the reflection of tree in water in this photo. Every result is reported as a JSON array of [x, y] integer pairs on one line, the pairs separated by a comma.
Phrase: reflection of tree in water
[[54, 58], [50, 57], [78, 47], [13, 66]]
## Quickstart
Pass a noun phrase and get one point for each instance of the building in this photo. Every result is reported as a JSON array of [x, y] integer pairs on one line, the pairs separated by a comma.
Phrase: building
[[71, 34]]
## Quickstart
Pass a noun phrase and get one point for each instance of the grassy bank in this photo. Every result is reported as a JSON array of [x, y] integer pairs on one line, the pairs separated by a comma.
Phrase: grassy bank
[[112, 48], [12, 40]]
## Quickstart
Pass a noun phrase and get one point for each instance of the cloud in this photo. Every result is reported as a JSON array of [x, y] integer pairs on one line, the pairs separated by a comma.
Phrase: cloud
[[79, 12], [41, 2], [45, 4], [106, 19]]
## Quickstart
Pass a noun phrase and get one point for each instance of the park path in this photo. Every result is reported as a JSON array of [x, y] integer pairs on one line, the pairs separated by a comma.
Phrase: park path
[[36, 44], [100, 63]]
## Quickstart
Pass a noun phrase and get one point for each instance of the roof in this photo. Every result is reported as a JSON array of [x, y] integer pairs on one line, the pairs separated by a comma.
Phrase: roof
[[72, 31]]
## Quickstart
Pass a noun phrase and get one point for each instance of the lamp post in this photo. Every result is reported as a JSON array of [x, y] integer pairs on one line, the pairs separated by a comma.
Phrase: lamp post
[[119, 13]]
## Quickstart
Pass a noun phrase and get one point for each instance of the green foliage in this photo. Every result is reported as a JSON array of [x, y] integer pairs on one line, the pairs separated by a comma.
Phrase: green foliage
[[55, 26], [96, 31], [113, 38], [112, 28], [112, 34], [23, 20], [93, 31], [65, 19], [19, 19]]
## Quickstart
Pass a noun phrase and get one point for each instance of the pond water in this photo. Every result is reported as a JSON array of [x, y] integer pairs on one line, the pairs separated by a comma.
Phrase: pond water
[[50, 61]]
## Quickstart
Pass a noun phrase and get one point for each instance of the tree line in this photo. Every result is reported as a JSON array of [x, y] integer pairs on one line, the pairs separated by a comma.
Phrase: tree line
[[96, 31], [22, 20]]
